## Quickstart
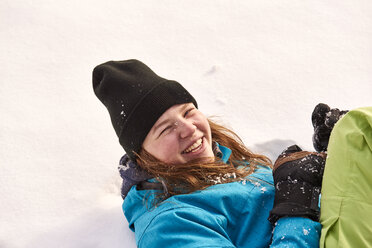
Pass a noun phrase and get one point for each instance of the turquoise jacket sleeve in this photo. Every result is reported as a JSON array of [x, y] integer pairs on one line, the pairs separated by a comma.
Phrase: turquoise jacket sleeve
[[296, 232], [186, 227]]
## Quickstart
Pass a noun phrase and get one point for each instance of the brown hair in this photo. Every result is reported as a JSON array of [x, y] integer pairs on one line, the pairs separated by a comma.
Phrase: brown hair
[[202, 173]]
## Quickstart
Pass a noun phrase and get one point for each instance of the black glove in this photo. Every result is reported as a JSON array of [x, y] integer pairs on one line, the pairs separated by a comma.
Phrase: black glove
[[298, 180], [131, 173], [324, 119]]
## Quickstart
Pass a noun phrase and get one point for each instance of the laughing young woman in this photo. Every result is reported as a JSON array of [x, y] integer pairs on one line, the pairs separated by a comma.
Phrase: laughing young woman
[[189, 182]]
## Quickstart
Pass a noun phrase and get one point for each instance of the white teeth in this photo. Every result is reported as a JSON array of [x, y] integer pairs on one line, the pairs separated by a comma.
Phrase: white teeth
[[195, 145]]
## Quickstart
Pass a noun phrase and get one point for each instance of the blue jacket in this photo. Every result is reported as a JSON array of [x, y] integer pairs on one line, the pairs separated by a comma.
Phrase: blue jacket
[[223, 215]]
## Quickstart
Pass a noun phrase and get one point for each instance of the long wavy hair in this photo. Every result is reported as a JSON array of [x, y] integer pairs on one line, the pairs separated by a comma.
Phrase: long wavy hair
[[201, 173]]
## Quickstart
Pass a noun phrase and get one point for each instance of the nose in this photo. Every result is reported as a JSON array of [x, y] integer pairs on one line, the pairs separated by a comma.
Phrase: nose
[[186, 128]]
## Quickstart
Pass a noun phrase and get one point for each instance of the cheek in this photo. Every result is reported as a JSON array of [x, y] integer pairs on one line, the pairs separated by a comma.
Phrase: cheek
[[201, 118], [204, 124], [207, 126], [164, 149]]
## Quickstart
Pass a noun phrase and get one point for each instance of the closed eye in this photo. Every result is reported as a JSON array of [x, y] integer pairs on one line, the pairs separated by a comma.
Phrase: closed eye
[[187, 112], [165, 129]]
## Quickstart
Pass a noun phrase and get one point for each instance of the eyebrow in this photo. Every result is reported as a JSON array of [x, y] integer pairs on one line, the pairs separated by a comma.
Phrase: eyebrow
[[167, 120]]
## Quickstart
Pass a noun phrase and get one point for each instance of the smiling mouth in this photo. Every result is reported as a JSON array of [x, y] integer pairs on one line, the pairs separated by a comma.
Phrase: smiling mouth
[[194, 147]]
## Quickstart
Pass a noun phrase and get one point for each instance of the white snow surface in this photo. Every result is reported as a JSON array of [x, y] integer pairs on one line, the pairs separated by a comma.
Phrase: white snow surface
[[261, 66]]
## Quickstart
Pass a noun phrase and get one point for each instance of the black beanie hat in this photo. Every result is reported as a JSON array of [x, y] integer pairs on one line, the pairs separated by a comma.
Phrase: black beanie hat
[[135, 97]]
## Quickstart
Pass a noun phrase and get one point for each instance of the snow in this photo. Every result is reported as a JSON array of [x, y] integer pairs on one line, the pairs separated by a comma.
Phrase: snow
[[257, 184], [306, 231], [261, 66], [263, 189], [221, 178]]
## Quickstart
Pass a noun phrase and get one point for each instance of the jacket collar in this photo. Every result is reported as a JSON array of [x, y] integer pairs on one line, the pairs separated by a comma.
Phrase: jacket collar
[[222, 152]]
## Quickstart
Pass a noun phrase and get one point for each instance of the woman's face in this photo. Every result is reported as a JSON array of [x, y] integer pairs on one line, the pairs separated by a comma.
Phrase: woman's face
[[181, 134]]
